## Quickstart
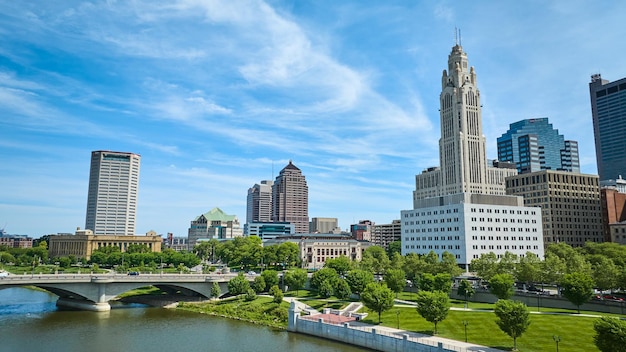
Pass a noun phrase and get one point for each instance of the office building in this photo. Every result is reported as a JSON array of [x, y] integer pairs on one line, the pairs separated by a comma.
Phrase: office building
[[290, 198], [613, 208], [461, 207], [324, 225], [259, 202], [362, 231], [570, 204], [214, 224], [269, 230], [112, 197], [383, 234], [608, 109], [534, 145]]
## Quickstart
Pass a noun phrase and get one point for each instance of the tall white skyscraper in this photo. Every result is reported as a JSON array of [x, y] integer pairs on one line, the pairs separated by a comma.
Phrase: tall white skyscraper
[[462, 151], [259, 205], [462, 208], [112, 198]]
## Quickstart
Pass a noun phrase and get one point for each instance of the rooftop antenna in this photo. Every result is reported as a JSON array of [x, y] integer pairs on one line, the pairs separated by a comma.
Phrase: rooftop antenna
[[460, 44], [272, 169]]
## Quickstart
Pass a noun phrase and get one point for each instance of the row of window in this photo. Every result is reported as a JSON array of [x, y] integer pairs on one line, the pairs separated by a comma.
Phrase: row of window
[[436, 229], [505, 238], [527, 221], [504, 247], [504, 211], [430, 246], [504, 229], [436, 238]]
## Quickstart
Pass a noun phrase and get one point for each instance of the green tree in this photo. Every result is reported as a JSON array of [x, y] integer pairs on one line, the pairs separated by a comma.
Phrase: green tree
[[501, 285], [259, 284], [397, 261], [324, 274], [358, 279], [288, 254], [296, 279], [610, 334], [341, 264], [507, 263], [395, 280], [442, 282], [375, 259], [276, 293], [448, 265], [137, 248], [413, 266], [605, 273], [393, 248], [342, 289], [513, 318], [326, 289], [528, 269], [270, 277], [466, 290], [216, 291], [486, 266], [427, 282], [238, 285], [433, 306], [377, 297], [250, 295], [577, 288]]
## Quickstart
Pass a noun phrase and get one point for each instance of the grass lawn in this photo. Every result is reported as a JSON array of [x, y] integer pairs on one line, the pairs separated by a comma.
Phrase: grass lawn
[[261, 311], [576, 332]]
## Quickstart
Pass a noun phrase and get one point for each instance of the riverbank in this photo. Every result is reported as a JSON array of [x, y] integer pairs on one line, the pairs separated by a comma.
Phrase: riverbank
[[262, 311]]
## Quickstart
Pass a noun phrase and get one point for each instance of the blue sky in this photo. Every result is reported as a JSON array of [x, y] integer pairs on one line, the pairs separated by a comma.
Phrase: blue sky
[[218, 95]]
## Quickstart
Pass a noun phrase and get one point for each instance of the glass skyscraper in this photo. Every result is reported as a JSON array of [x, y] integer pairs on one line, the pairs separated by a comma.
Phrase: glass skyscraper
[[534, 145], [608, 108]]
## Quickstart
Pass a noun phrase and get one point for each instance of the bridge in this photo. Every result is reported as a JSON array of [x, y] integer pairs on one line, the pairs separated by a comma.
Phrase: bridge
[[94, 291]]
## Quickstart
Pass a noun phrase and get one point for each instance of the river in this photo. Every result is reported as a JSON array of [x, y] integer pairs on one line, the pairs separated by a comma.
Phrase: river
[[31, 322]]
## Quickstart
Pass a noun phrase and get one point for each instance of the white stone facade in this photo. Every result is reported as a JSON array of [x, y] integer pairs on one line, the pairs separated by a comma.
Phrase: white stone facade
[[469, 230]]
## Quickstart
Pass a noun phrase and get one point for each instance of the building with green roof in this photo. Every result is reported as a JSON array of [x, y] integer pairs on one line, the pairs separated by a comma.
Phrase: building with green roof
[[214, 224]]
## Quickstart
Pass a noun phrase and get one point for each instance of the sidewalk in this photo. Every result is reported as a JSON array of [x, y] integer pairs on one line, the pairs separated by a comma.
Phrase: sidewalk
[[398, 333]]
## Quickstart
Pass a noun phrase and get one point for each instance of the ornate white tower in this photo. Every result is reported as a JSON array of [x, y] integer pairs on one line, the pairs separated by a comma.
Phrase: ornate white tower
[[462, 150]]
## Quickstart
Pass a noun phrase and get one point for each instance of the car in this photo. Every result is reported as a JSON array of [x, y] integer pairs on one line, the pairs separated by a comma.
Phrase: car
[[133, 273], [251, 273], [4, 273]]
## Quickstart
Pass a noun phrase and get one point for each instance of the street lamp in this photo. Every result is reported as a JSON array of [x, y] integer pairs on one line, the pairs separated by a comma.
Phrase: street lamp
[[398, 318], [465, 323], [556, 339]]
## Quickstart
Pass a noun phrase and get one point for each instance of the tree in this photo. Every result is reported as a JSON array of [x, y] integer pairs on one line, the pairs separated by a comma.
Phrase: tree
[[276, 293], [397, 261], [605, 273], [375, 259], [413, 266], [326, 289], [270, 277], [216, 291], [465, 289], [341, 264], [358, 279], [448, 265], [342, 289], [513, 318], [528, 269], [324, 274], [577, 288], [507, 263], [501, 285], [296, 279], [238, 285], [610, 334], [259, 284], [427, 282], [486, 266], [433, 306], [395, 280], [442, 282], [393, 248], [288, 254], [377, 297], [250, 295]]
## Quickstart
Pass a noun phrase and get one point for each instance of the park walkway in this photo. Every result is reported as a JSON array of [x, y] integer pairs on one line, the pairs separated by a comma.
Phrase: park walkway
[[399, 333]]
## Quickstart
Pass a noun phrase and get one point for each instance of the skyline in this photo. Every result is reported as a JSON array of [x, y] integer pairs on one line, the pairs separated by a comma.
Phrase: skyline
[[217, 96]]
